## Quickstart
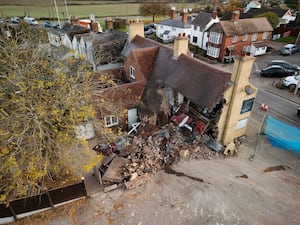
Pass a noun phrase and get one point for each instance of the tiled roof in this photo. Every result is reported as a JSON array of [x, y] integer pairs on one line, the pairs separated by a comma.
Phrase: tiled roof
[[107, 36], [254, 12], [244, 26], [175, 23], [202, 19], [196, 80]]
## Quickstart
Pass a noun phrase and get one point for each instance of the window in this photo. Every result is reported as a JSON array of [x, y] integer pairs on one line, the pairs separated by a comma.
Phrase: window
[[265, 35], [254, 37], [212, 51], [131, 72], [195, 39], [111, 120], [245, 38], [215, 37], [247, 105], [234, 39], [195, 27]]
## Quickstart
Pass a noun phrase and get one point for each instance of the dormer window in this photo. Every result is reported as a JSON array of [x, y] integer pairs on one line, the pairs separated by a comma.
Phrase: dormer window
[[131, 72], [245, 37]]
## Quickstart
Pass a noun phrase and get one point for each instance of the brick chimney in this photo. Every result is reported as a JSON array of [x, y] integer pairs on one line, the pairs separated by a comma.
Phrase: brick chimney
[[181, 44], [173, 13], [235, 16], [109, 23], [74, 21], [214, 14], [185, 16], [135, 28], [94, 27]]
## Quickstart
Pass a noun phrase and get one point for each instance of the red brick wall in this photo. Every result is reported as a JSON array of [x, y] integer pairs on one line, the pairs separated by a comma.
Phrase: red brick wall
[[132, 61], [239, 45]]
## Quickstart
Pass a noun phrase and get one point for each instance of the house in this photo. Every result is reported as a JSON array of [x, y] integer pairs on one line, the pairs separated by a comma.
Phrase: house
[[168, 29], [101, 48], [228, 39], [285, 16], [252, 4], [199, 27], [174, 82]]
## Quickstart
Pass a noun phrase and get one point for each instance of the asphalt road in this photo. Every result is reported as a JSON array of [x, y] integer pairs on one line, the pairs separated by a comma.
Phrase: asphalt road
[[280, 107]]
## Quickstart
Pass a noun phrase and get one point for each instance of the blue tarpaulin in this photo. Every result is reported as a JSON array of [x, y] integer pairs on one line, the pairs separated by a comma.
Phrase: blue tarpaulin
[[282, 135]]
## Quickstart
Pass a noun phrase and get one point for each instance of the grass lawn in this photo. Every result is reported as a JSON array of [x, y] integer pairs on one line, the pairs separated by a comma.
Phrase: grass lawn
[[80, 11], [289, 39]]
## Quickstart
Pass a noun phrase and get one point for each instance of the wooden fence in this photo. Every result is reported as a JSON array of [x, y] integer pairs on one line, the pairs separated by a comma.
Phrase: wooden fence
[[44, 200]]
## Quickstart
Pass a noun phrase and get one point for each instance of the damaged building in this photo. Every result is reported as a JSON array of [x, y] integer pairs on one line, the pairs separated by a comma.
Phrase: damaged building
[[169, 93], [184, 90]]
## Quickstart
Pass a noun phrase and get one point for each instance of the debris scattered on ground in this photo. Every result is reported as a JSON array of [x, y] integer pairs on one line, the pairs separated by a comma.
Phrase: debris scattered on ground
[[242, 176], [134, 164]]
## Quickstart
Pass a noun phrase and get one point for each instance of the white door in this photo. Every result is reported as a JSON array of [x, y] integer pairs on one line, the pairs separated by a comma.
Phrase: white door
[[132, 117]]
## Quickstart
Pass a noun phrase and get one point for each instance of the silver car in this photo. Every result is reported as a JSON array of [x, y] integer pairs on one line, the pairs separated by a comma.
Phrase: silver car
[[289, 49]]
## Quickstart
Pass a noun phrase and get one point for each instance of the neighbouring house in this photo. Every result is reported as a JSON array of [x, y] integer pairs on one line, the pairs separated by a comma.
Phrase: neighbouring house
[[252, 4], [285, 16], [199, 27], [168, 29], [100, 48], [64, 37], [173, 83], [229, 39]]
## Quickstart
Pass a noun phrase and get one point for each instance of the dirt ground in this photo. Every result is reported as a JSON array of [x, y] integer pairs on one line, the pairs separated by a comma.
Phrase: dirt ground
[[228, 191]]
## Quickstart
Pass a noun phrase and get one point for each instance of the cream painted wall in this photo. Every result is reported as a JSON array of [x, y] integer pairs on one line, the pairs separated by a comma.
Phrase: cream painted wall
[[231, 114]]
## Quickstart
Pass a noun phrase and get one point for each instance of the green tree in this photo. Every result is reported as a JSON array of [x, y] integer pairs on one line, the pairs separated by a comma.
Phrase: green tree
[[42, 101], [154, 9], [271, 17]]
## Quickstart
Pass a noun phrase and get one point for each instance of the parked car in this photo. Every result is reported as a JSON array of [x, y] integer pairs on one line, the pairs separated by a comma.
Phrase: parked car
[[288, 66], [291, 81], [31, 21], [289, 49], [50, 24], [275, 71], [15, 19]]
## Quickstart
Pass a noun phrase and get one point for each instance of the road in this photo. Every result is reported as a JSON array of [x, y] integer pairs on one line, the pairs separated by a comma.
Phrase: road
[[279, 107]]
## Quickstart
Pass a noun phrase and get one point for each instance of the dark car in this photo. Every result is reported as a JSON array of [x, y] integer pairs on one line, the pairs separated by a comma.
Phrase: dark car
[[275, 71], [284, 64], [50, 24]]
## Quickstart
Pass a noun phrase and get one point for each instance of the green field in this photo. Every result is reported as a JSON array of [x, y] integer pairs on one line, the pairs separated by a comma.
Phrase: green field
[[80, 11]]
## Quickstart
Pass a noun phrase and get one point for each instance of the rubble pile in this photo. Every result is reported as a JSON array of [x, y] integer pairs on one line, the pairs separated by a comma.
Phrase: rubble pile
[[136, 163]]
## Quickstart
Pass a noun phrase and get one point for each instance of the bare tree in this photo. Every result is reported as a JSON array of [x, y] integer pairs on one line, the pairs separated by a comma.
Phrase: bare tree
[[154, 9]]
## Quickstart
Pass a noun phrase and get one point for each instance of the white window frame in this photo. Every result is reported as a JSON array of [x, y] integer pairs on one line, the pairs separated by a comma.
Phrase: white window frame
[[245, 37], [234, 39], [111, 120], [215, 37], [254, 37], [213, 51], [265, 35], [132, 72]]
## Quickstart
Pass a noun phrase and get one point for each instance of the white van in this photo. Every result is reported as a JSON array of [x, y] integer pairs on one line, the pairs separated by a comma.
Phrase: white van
[[30, 21]]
